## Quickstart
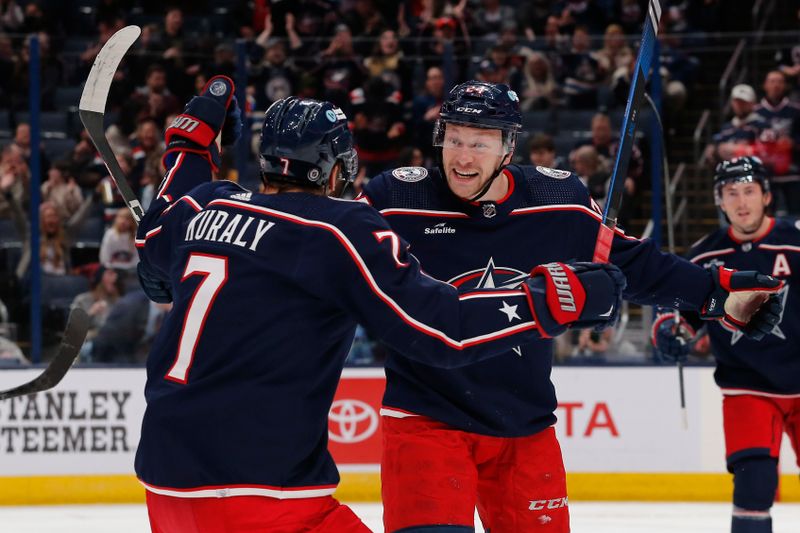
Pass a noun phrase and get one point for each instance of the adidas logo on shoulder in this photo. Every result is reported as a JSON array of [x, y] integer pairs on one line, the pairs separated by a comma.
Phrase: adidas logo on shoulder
[[243, 196], [438, 229]]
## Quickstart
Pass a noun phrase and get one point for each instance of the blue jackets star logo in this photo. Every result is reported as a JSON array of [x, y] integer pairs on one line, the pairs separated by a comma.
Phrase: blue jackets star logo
[[776, 330]]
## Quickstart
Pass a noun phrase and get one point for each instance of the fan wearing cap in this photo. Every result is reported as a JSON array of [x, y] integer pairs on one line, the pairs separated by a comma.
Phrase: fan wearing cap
[[482, 435], [738, 136], [760, 382]]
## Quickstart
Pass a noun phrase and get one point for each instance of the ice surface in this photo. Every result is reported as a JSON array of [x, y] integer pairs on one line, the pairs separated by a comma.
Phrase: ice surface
[[587, 517]]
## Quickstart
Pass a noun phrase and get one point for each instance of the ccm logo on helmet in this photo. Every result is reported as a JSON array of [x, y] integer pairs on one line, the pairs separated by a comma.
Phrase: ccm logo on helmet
[[469, 110], [563, 289]]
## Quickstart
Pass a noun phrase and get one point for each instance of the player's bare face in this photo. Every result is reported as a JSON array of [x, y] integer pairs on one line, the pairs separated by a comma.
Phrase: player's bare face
[[470, 156], [745, 204]]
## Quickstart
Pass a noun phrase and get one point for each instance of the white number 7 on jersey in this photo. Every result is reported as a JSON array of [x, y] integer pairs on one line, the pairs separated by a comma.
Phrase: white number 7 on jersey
[[214, 270]]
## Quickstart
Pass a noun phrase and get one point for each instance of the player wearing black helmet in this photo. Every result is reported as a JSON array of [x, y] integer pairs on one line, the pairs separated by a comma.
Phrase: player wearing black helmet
[[482, 435], [760, 382], [267, 291]]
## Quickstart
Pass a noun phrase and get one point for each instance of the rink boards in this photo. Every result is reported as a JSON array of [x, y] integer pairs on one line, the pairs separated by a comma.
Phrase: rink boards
[[620, 429]]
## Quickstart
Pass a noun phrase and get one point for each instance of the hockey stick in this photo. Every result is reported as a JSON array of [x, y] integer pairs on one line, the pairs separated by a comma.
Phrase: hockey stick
[[641, 72], [68, 351], [93, 105], [670, 247]]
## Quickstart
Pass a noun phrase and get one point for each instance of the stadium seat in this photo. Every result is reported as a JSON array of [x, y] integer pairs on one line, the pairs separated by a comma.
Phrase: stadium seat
[[67, 97], [57, 148], [90, 233], [570, 120], [539, 121], [53, 124]]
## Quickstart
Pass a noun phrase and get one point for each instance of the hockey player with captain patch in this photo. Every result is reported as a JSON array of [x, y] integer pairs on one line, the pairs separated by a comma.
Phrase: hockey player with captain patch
[[760, 382], [267, 291], [482, 435]]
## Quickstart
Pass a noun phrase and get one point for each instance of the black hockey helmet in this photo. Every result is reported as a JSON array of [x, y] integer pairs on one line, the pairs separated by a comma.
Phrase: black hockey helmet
[[302, 140], [481, 105], [747, 169]]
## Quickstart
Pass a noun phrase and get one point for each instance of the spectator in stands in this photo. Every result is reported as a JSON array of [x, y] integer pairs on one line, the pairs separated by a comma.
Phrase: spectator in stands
[[22, 141], [542, 151], [118, 248], [105, 29], [11, 16], [631, 16], [451, 30], [14, 180], [738, 136], [365, 22], [55, 238], [615, 52], [583, 73], [789, 64], [388, 63], [378, 128], [341, 70], [779, 144], [8, 65], [678, 69], [539, 89], [425, 109], [273, 75], [604, 141], [61, 190], [410, 156], [585, 163], [153, 100], [533, 16], [51, 76], [223, 62], [87, 167], [575, 13], [147, 144], [104, 291], [129, 329], [490, 18]]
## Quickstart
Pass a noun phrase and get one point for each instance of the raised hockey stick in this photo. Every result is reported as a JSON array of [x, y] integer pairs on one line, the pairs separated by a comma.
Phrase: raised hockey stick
[[68, 351], [93, 105], [641, 73]]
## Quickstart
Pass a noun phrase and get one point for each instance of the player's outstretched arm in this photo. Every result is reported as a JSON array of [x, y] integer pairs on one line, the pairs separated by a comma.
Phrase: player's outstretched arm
[[746, 300], [379, 283]]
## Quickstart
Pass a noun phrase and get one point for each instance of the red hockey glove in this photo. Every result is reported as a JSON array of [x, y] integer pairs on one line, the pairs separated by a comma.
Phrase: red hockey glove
[[741, 299], [215, 111], [581, 295]]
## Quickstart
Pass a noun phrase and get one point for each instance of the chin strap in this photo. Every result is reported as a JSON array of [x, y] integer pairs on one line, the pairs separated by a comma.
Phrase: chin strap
[[488, 183]]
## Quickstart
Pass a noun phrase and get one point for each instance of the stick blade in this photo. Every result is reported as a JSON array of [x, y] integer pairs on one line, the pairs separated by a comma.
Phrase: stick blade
[[74, 335], [95, 92]]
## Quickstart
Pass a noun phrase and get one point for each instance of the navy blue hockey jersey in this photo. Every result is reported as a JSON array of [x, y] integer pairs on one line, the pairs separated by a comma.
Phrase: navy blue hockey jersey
[[772, 365], [267, 292], [546, 216]]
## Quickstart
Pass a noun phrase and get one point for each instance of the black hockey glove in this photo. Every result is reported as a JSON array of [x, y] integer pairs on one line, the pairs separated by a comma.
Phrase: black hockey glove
[[579, 295], [741, 299], [672, 340], [215, 111], [154, 287]]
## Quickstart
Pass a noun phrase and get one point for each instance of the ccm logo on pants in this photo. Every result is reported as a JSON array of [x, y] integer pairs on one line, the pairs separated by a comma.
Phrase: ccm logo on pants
[[555, 503]]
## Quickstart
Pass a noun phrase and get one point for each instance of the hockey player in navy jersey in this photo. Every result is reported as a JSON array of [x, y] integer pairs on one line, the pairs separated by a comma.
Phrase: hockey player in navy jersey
[[760, 382], [482, 435], [267, 291]]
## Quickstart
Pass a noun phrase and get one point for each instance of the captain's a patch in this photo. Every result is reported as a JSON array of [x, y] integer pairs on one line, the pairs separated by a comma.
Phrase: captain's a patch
[[410, 174], [554, 173]]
